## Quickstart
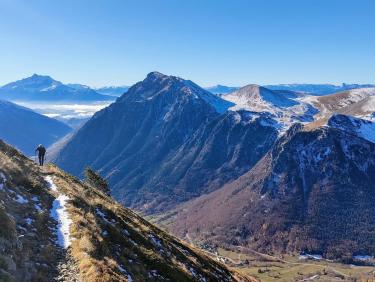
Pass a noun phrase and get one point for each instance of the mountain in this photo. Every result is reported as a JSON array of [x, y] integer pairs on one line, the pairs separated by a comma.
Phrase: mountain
[[168, 140], [312, 192], [44, 88], [116, 91], [318, 89], [26, 129], [221, 89], [282, 105], [56, 228]]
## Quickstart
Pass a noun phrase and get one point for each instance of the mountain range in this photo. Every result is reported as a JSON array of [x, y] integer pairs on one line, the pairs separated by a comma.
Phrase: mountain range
[[312, 192], [313, 89], [241, 161], [45, 89], [25, 129]]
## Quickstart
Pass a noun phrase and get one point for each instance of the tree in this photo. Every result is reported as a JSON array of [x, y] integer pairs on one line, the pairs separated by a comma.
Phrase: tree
[[93, 179]]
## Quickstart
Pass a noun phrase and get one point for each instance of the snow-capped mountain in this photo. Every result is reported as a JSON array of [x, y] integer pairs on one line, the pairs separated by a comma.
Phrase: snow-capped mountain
[[357, 102], [44, 88], [116, 91], [282, 105], [160, 143]]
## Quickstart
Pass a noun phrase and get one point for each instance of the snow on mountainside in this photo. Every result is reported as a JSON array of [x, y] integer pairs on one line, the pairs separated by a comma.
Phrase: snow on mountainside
[[360, 127], [357, 102], [280, 104]]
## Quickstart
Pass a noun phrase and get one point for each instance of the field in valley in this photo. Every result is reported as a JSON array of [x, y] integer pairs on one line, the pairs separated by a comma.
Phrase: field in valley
[[290, 268]]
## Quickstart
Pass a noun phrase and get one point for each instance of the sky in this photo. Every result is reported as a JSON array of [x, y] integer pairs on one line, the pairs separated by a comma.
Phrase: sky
[[232, 42]]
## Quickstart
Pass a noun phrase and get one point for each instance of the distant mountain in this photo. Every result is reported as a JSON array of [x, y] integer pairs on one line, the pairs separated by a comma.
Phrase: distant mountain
[[26, 129], [318, 89], [221, 89], [168, 140], [57, 228], [282, 105], [116, 91], [312, 192], [357, 102], [45, 89]]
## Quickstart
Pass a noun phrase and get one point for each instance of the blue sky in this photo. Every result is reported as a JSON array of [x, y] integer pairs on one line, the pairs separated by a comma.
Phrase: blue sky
[[208, 41]]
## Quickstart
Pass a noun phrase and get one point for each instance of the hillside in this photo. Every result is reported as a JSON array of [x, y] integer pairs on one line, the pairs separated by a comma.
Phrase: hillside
[[41, 88], [357, 102], [281, 105], [158, 144], [313, 192], [93, 239], [25, 129]]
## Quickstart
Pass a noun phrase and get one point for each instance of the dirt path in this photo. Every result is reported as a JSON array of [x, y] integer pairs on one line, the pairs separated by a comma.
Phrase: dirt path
[[67, 270]]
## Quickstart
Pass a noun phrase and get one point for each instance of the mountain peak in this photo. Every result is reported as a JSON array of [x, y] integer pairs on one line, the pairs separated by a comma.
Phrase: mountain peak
[[155, 75]]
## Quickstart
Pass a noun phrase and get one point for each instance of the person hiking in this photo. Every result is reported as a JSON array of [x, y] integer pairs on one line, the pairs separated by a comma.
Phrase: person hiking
[[41, 153]]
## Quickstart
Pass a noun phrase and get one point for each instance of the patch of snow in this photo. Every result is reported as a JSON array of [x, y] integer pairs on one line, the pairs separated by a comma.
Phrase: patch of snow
[[21, 200], [155, 241], [29, 221], [310, 256], [2, 177], [50, 182], [49, 88], [123, 270], [38, 207], [60, 214], [363, 257]]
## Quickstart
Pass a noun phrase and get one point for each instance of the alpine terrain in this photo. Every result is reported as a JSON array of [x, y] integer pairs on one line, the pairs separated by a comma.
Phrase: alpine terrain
[[159, 143], [56, 228]]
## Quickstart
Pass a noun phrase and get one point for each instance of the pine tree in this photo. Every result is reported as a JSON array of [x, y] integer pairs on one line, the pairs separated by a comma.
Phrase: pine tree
[[93, 178]]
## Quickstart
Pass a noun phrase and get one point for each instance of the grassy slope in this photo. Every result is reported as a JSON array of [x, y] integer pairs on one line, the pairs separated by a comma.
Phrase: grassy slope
[[110, 242], [26, 249], [121, 240]]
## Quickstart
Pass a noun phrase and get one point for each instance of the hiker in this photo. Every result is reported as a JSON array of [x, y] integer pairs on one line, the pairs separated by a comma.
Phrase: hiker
[[41, 152]]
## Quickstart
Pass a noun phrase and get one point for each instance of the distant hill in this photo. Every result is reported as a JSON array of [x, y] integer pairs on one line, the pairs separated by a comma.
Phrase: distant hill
[[25, 129], [45, 89], [221, 89], [318, 89], [116, 91]]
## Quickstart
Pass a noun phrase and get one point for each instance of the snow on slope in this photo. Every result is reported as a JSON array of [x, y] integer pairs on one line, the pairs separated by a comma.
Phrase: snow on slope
[[283, 109], [60, 214], [360, 127]]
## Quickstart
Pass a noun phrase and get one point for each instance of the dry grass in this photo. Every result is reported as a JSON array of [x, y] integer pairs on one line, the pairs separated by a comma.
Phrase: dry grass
[[27, 253], [111, 242]]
